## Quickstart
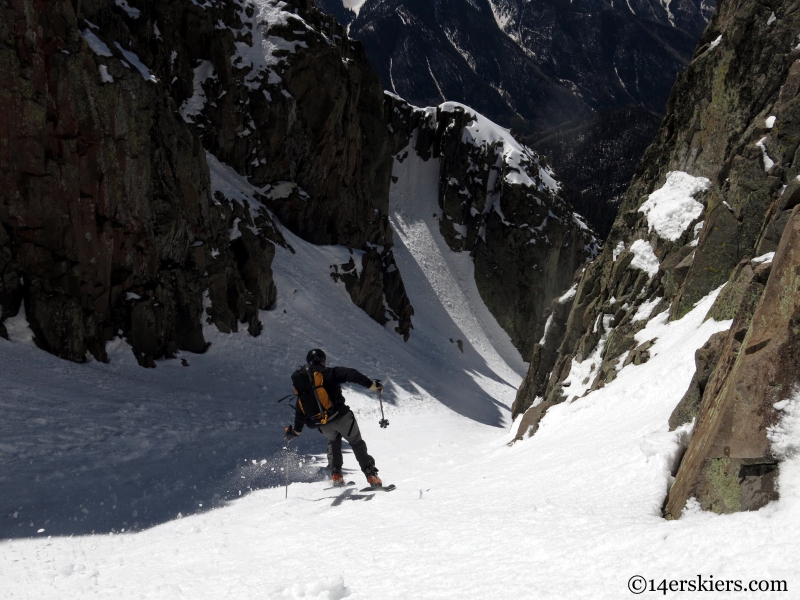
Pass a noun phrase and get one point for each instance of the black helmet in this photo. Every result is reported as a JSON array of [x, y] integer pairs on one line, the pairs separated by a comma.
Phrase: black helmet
[[315, 356]]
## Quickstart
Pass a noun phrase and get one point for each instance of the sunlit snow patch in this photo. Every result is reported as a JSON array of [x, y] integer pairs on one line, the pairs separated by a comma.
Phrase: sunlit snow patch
[[644, 258], [784, 436], [483, 132], [672, 208], [764, 258], [618, 250], [768, 162], [645, 310]]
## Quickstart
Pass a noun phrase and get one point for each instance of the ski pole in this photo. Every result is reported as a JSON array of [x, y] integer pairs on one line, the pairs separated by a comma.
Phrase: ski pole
[[287, 468], [383, 422]]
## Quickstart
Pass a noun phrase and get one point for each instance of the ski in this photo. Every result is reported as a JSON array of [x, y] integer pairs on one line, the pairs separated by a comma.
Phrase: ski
[[387, 488], [337, 487]]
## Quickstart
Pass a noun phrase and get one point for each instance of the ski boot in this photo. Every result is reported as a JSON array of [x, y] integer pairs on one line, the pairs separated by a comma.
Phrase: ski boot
[[336, 478], [372, 477]]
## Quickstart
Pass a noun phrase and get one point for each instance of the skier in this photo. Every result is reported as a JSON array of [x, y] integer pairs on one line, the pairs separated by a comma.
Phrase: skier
[[320, 405]]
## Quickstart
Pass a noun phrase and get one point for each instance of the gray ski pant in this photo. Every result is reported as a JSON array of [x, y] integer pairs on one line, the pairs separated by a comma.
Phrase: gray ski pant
[[345, 427]]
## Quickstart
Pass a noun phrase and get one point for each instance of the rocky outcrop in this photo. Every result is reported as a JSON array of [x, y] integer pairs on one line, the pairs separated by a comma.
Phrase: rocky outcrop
[[724, 162], [107, 218], [730, 464], [500, 202], [526, 65], [112, 222]]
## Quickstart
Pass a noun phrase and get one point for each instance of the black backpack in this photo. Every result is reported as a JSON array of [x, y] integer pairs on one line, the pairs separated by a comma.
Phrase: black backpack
[[312, 398]]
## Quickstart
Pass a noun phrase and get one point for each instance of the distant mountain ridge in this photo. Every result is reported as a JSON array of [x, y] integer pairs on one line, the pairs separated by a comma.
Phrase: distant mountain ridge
[[533, 66]]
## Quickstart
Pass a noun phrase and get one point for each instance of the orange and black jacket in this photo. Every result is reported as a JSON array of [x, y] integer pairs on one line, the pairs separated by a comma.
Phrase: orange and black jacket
[[332, 380]]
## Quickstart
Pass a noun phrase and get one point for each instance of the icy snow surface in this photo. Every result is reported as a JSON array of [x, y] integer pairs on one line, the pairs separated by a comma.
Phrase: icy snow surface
[[195, 454], [672, 208]]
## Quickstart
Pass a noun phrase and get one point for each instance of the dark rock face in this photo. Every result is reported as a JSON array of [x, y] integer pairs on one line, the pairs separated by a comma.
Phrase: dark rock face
[[731, 120], [596, 158], [377, 289], [112, 223], [500, 202], [305, 125], [105, 197], [526, 65]]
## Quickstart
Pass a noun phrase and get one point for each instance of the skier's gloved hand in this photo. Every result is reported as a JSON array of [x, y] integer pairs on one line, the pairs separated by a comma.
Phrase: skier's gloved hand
[[289, 433], [376, 386]]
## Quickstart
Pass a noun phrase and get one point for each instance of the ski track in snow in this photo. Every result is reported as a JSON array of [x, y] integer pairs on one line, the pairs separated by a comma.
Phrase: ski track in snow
[[572, 512]]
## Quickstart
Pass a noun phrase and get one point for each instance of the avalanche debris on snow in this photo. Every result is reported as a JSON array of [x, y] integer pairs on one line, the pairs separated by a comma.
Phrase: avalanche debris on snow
[[672, 208]]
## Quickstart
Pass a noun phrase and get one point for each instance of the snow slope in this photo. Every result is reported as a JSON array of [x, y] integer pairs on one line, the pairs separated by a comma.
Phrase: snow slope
[[573, 512]]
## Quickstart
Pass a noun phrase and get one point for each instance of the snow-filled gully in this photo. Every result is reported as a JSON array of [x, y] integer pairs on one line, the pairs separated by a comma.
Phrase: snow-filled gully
[[572, 512]]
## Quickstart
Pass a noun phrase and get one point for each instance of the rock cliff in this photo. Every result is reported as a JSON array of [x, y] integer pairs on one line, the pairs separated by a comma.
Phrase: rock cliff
[[502, 203], [111, 114], [713, 203]]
